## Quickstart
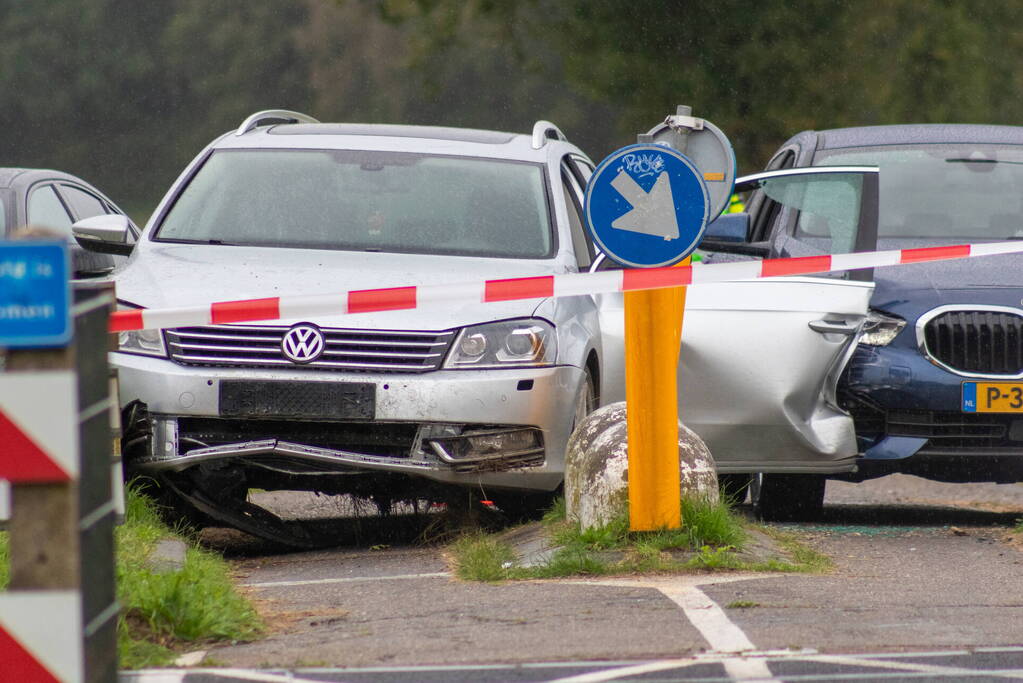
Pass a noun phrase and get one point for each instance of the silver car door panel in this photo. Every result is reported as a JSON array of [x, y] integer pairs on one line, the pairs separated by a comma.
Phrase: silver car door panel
[[756, 379]]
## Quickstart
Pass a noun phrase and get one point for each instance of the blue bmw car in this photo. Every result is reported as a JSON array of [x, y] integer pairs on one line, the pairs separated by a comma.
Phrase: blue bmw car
[[935, 384]]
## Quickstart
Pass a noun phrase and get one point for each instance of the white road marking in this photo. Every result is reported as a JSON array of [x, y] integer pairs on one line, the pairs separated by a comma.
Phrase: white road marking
[[720, 632], [178, 676], [914, 667], [350, 579], [619, 672]]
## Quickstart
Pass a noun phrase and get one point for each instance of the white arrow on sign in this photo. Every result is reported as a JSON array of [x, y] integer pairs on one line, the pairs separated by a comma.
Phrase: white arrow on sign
[[652, 213]]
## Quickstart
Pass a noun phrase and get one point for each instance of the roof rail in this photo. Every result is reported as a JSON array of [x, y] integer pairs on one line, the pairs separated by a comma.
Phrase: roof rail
[[544, 131], [273, 115]]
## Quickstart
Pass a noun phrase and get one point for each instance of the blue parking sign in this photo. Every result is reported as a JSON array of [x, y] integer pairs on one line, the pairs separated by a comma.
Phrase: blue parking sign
[[647, 206], [35, 294]]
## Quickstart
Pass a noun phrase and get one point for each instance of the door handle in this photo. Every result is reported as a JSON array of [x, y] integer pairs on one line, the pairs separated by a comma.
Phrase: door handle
[[825, 326]]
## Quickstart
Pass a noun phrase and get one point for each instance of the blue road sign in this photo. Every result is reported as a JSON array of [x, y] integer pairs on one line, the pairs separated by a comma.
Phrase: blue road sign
[[35, 294], [647, 206]]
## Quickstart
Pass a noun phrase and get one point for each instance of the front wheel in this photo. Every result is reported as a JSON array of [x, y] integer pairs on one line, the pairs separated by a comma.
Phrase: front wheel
[[787, 497]]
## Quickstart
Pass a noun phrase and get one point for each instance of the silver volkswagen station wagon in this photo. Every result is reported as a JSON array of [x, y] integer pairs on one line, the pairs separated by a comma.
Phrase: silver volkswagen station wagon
[[390, 406]]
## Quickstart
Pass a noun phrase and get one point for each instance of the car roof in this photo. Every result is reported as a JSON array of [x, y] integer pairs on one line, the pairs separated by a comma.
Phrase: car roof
[[491, 137], [921, 133], [9, 175], [396, 138]]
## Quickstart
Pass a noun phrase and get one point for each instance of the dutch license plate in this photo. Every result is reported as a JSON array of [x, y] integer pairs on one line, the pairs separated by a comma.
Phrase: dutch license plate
[[993, 397], [302, 400]]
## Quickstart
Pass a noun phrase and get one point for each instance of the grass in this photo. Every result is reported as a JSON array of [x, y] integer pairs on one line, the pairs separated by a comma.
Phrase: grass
[[742, 604], [708, 541], [166, 613]]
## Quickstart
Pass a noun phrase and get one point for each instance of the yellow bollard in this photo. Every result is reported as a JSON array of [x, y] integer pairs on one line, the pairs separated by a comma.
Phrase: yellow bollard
[[653, 335]]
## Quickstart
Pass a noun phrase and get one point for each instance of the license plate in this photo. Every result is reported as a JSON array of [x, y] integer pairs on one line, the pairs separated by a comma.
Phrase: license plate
[[993, 397], [298, 400]]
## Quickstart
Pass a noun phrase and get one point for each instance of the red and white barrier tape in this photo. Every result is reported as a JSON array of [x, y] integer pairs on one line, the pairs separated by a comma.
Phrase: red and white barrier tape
[[569, 284]]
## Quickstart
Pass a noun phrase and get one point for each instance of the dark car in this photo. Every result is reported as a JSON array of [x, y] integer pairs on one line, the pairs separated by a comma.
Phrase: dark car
[[935, 384], [55, 201]]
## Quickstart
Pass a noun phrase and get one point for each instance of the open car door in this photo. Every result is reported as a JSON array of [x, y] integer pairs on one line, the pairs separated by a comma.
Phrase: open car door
[[760, 359]]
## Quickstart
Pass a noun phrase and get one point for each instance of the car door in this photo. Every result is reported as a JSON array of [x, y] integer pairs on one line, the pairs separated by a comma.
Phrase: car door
[[760, 359]]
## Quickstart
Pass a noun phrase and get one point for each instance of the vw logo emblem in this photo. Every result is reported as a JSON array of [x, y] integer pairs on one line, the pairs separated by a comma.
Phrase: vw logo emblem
[[302, 343]]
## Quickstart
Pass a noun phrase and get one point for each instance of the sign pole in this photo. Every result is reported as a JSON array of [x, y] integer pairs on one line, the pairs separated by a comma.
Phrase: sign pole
[[653, 339], [647, 206], [653, 334]]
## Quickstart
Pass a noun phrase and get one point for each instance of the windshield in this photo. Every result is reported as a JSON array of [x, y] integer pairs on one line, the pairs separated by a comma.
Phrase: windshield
[[365, 201], [944, 192]]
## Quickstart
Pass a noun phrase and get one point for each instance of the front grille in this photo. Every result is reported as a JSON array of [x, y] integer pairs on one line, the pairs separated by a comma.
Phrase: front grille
[[985, 342], [394, 440], [951, 430], [349, 350]]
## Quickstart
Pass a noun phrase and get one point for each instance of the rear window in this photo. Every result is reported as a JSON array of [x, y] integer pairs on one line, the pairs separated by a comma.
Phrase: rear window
[[365, 201]]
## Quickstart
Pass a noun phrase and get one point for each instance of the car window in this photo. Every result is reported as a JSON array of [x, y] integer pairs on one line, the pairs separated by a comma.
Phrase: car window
[[84, 204], [943, 193], [581, 244], [46, 209], [763, 209], [830, 211], [366, 201]]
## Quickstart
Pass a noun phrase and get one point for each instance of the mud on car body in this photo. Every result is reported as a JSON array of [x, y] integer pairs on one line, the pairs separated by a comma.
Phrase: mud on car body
[[399, 405]]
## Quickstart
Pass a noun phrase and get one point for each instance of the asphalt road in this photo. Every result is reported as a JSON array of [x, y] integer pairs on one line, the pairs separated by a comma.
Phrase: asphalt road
[[928, 582]]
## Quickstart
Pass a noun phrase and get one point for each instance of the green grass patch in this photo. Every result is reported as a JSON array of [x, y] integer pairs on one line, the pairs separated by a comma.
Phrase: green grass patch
[[742, 604], [479, 557], [806, 560], [709, 539], [164, 614]]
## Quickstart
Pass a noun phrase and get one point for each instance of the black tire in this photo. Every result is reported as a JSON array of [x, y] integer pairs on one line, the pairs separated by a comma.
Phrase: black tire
[[587, 401], [734, 487], [787, 497]]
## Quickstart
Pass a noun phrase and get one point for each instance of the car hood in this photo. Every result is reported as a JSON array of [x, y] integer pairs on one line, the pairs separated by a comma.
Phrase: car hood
[[910, 290], [179, 275]]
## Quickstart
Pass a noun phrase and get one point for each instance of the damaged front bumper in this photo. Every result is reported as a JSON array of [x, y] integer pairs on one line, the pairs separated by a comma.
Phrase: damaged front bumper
[[498, 428]]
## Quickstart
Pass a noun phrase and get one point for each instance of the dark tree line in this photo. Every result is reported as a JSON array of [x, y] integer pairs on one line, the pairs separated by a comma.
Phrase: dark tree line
[[125, 92]]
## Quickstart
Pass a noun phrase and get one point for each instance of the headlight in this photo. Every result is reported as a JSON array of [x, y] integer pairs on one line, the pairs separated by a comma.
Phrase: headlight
[[144, 342], [510, 343], [880, 329]]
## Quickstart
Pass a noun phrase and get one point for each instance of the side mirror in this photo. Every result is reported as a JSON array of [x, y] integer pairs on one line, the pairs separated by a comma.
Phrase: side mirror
[[107, 234], [728, 234], [728, 227]]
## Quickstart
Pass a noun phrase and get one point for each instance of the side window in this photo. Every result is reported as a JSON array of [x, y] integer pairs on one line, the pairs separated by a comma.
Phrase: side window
[[767, 212], [84, 204], [581, 244], [46, 209]]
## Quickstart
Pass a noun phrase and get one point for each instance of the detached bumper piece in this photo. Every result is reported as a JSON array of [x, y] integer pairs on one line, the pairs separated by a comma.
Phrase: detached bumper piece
[[324, 448]]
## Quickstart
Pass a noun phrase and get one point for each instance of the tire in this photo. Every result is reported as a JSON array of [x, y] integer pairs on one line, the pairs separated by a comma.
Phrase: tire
[[587, 401], [787, 497], [734, 487]]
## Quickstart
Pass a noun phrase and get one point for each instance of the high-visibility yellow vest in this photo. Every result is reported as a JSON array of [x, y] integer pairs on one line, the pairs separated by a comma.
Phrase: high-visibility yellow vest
[[735, 205]]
